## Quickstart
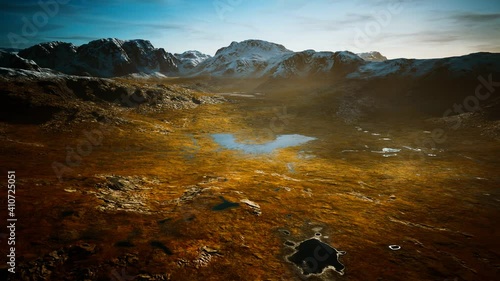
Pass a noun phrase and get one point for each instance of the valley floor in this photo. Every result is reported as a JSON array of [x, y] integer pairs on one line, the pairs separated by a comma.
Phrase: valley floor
[[157, 198]]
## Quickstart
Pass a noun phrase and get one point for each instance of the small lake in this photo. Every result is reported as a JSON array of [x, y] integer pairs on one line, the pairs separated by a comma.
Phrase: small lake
[[228, 141]]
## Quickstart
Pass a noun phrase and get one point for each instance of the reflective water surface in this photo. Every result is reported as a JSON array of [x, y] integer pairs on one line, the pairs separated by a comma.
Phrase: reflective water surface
[[228, 141]]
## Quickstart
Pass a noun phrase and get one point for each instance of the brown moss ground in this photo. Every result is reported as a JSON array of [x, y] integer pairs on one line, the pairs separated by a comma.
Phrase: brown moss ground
[[444, 212]]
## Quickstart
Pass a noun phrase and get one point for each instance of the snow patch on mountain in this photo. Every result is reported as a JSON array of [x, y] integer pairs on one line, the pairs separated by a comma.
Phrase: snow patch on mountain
[[8, 72], [252, 50], [112, 57], [257, 58], [372, 56], [248, 58], [310, 62], [189, 60], [302, 64], [104, 57], [452, 67]]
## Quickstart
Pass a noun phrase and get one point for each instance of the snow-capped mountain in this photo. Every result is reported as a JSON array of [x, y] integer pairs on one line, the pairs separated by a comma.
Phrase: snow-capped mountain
[[104, 57], [257, 58], [372, 56], [302, 63], [113, 57], [147, 59], [248, 58], [445, 67], [310, 62], [189, 60]]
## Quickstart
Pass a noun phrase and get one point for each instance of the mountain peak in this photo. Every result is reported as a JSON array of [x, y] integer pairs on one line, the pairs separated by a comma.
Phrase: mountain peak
[[253, 47], [190, 59], [372, 56], [54, 55], [106, 57], [347, 57]]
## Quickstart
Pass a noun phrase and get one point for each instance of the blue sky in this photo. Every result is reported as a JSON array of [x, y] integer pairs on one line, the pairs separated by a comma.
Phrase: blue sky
[[396, 28]]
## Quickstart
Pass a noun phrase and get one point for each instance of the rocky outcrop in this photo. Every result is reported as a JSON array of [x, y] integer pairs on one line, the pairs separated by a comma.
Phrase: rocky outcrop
[[9, 60]]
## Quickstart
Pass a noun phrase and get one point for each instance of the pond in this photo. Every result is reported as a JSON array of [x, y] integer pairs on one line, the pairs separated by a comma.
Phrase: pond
[[228, 141]]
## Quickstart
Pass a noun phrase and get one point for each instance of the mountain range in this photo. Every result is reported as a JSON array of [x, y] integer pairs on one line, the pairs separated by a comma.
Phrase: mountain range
[[247, 59]]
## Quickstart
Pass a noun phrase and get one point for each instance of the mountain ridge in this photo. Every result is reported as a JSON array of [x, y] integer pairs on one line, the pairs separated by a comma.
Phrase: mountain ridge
[[253, 58]]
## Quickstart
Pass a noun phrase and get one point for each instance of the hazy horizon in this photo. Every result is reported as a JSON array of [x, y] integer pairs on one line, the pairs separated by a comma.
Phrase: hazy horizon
[[408, 29]]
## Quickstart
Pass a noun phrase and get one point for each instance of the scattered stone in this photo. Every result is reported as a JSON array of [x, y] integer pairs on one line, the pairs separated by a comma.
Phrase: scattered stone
[[209, 250], [154, 277], [46, 266], [120, 193], [212, 179], [317, 229], [72, 263], [284, 231], [258, 256], [205, 256], [120, 183], [395, 247], [254, 206], [307, 191], [182, 263], [189, 194]]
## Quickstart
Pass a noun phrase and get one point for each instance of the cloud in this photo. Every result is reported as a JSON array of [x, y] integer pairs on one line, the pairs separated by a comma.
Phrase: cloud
[[161, 26], [112, 23], [161, 2], [348, 21], [462, 20], [21, 8], [477, 18], [494, 48], [18, 28], [382, 4], [425, 36], [434, 38], [71, 38]]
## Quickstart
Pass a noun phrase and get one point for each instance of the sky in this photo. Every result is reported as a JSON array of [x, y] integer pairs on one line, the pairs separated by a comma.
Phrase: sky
[[396, 28]]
